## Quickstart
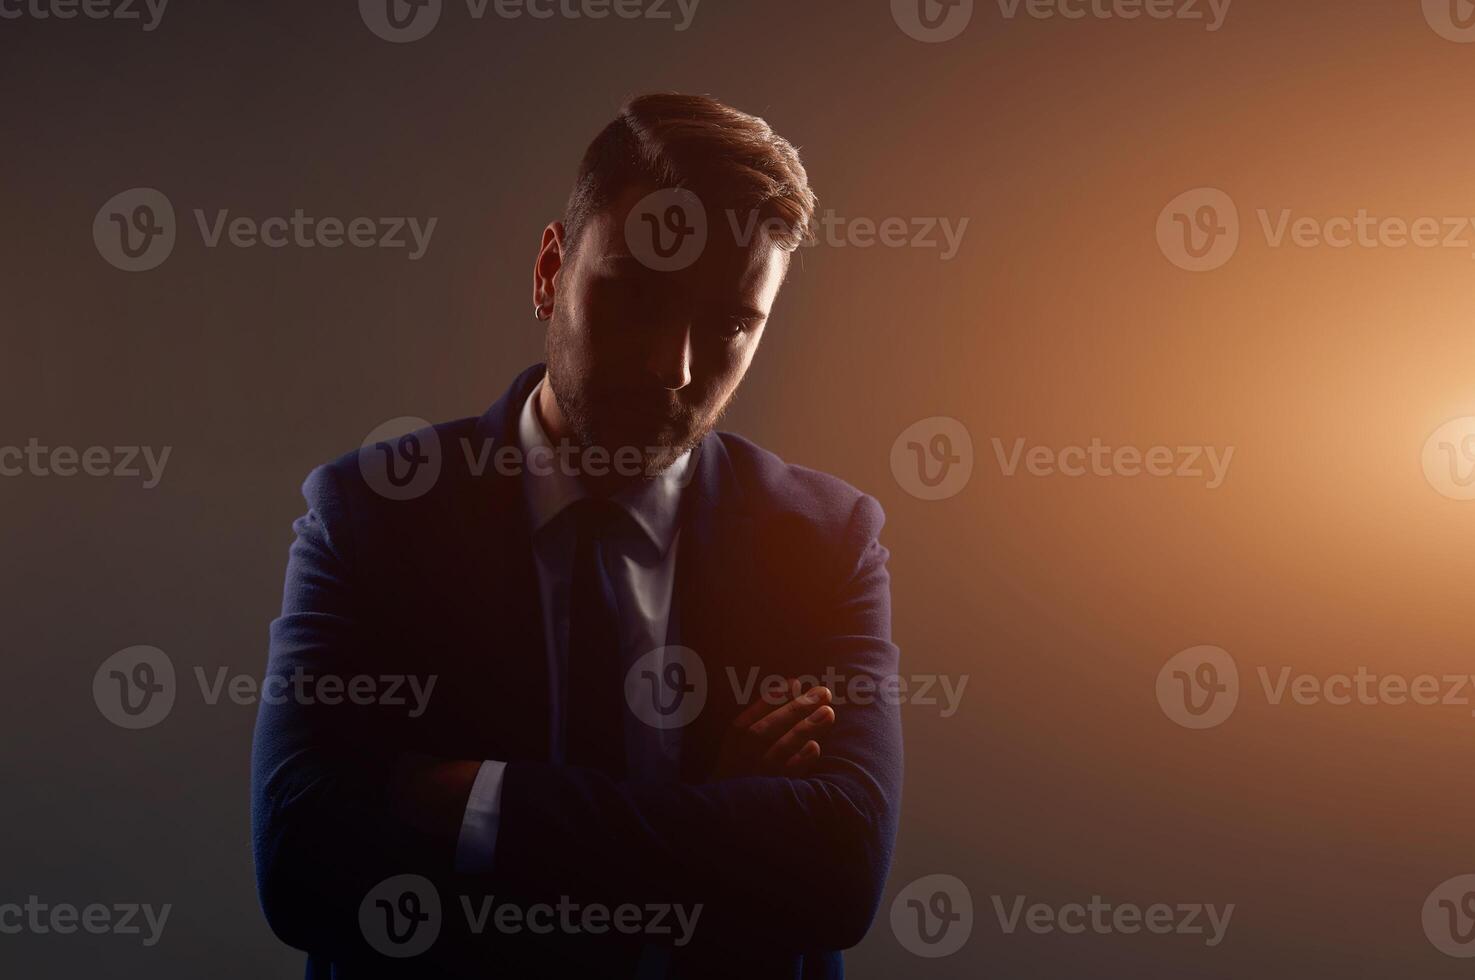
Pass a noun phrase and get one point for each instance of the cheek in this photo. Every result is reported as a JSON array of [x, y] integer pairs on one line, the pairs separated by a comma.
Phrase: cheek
[[742, 354], [577, 339], [727, 368], [741, 358]]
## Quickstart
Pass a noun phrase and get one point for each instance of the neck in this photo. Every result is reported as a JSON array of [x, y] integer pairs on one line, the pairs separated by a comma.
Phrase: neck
[[550, 416], [556, 427]]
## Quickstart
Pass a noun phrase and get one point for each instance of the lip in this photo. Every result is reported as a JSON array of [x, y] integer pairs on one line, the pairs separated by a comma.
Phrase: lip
[[644, 408]]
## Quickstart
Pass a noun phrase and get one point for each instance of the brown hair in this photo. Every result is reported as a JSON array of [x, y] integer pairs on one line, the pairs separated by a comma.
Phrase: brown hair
[[729, 159]]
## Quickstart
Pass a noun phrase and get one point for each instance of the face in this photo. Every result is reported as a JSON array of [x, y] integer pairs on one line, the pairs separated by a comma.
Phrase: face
[[644, 358]]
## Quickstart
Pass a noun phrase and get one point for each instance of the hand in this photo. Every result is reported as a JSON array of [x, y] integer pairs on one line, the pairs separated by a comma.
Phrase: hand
[[776, 740]]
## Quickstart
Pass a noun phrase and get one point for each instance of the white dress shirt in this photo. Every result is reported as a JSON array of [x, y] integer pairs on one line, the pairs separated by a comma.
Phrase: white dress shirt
[[640, 559]]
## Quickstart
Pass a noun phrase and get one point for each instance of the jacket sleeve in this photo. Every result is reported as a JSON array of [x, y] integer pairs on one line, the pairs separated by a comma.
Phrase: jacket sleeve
[[326, 824]]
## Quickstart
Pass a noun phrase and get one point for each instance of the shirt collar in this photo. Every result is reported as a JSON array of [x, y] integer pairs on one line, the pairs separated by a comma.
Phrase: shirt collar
[[654, 505]]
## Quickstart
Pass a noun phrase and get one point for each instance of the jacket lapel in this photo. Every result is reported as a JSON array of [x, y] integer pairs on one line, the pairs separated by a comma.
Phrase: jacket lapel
[[712, 568], [501, 598]]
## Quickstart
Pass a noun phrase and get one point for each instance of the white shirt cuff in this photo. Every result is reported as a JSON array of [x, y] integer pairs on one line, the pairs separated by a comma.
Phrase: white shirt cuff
[[477, 842]]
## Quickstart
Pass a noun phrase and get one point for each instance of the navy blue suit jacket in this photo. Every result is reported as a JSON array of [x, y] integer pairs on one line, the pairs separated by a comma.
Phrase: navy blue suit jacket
[[780, 568]]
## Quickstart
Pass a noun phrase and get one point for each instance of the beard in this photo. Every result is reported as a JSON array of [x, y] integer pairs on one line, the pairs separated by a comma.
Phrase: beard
[[652, 420]]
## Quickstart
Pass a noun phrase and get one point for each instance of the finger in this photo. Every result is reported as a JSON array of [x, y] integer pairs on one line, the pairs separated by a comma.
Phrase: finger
[[763, 705], [802, 760], [817, 721], [786, 716], [752, 713]]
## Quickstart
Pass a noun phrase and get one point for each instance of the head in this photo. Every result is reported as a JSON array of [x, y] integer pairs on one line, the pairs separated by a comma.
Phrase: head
[[648, 353]]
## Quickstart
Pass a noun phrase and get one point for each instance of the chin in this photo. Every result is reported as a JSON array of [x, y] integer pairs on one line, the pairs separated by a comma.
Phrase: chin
[[621, 430]]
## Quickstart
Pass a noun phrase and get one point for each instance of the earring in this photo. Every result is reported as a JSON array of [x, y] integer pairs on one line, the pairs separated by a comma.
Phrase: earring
[[541, 311]]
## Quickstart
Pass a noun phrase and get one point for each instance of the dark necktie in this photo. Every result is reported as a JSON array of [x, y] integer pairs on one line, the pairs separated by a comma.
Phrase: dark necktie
[[596, 683]]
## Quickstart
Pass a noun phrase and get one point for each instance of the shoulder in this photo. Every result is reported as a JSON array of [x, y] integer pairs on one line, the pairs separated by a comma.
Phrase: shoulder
[[787, 497], [403, 468]]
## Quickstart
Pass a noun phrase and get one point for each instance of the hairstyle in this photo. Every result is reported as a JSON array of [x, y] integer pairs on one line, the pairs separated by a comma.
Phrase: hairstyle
[[729, 159]]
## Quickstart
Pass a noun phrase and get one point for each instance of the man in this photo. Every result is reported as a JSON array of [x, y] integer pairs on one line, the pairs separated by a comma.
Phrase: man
[[606, 606]]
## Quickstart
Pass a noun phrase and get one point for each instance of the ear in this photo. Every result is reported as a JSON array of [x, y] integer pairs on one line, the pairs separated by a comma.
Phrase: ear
[[546, 269]]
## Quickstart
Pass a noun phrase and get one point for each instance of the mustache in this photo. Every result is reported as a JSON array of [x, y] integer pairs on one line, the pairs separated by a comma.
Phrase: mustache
[[662, 404]]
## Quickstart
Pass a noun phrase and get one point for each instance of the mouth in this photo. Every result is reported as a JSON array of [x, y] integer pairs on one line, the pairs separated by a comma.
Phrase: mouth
[[645, 411]]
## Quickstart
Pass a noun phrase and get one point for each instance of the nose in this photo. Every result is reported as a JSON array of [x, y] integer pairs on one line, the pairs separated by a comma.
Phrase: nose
[[670, 356]]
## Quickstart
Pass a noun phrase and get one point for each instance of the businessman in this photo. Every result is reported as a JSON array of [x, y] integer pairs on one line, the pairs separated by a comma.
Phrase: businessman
[[621, 769]]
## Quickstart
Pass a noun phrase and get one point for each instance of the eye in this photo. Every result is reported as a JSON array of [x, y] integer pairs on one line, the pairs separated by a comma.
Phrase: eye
[[737, 325]]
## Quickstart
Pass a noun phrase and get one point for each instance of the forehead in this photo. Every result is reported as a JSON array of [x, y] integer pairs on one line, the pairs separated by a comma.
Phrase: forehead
[[737, 258]]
